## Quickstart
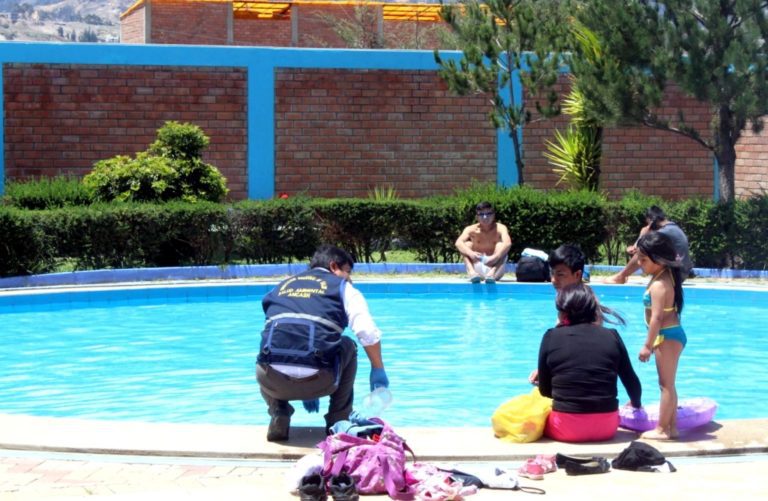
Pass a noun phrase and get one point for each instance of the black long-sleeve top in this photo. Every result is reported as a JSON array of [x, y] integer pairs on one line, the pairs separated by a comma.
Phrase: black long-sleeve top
[[578, 368]]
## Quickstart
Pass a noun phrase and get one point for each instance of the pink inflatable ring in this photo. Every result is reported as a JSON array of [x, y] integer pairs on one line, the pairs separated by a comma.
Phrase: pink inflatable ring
[[691, 413]]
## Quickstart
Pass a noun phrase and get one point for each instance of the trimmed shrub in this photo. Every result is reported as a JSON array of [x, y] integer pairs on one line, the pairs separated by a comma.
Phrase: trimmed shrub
[[624, 220], [121, 235], [144, 178], [273, 231], [710, 228], [138, 235], [171, 169], [752, 235], [25, 248], [179, 141], [432, 227], [541, 220], [362, 226]]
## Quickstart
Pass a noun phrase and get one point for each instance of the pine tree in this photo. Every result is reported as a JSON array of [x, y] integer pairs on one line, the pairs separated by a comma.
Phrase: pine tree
[[503, 40], [714, 50]]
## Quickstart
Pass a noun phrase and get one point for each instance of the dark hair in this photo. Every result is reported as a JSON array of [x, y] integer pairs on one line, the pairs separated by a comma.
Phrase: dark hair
[[580, 306], [570, 255], [655, 215], [659, 249], [483, 206], [327, 254]]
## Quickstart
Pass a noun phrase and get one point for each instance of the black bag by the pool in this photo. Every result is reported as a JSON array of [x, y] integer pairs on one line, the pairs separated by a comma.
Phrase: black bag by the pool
[[640, 456], [532, 269]]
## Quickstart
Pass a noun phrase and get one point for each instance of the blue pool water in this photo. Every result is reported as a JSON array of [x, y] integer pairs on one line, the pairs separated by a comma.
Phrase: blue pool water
[[453, 352]]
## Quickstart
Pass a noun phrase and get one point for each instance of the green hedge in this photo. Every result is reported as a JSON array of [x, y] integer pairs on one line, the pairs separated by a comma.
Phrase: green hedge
[[46, 193], [275, 231], [25, 247]]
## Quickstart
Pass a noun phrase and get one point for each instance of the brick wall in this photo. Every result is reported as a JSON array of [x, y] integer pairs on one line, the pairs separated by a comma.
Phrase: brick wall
[[652, 161], [752, 163], [59, 119], [269, 33], [176, 22], [132, 27], [340, 133]]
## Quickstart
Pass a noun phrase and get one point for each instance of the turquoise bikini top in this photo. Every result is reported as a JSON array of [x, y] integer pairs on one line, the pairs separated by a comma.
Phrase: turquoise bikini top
[[647, 297]]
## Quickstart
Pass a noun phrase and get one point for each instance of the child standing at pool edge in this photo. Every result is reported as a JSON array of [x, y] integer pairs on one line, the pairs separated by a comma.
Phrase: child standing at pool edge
[[663, 301]]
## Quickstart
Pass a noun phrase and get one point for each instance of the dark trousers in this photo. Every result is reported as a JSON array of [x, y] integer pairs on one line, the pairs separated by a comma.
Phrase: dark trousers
[[278, 388]]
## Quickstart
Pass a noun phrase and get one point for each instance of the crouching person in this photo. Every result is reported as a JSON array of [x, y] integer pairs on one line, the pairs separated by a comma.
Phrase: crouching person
[[304, 354]]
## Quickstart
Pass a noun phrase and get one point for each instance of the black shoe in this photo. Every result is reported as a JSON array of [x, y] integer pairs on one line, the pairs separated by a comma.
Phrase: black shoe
[[561, 459], [312, 488], [278, 428], [342, 488], [596, 465]]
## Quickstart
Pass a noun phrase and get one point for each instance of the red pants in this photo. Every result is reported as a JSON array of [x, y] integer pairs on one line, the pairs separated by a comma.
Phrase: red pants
[[569, 427]]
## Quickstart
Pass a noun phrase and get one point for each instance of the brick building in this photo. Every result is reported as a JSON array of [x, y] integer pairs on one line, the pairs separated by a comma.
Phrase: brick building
[[297, 23]]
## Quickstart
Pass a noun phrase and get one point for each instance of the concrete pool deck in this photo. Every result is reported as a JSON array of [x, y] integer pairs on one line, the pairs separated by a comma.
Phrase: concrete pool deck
[[62, 458]]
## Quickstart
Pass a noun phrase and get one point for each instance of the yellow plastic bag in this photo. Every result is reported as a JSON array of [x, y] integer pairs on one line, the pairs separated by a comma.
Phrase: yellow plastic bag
[[522, 419]]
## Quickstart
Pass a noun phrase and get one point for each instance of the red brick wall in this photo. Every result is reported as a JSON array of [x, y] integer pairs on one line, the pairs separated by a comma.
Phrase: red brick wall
[[178, 22], [752, 163], [60, 119], [132, 27], [271, 33], [341, 133], [652, 161]]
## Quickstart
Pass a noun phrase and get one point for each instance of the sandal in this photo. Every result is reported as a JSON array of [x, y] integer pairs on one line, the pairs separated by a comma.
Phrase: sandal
[[548, 461], [596, 465], [535, 468], [531, 469]]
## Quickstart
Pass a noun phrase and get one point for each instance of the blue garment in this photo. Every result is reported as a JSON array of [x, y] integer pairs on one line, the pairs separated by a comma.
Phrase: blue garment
[[674, 333], [305, 320]]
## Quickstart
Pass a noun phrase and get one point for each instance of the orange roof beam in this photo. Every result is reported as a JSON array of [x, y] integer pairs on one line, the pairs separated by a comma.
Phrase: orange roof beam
[[247, 9]]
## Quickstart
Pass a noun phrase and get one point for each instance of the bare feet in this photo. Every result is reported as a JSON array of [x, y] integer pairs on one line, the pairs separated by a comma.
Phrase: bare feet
[[659, 435], [615, 279]]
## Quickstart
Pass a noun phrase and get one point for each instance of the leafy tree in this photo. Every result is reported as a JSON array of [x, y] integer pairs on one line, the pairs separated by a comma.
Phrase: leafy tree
[[714, 50], [502, 40]]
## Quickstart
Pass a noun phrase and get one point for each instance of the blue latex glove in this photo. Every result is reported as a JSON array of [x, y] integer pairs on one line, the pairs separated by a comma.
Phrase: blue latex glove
[[379, 379], [312, 405]]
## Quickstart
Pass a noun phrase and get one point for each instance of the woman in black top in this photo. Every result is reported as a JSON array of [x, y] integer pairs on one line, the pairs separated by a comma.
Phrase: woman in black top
[[579, 363]]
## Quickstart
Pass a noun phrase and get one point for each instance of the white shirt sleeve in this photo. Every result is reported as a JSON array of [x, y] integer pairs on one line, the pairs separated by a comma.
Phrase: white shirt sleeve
[[360, 320]]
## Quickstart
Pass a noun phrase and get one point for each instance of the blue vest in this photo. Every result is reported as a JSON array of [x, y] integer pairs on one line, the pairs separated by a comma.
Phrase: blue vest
[[305, 320]]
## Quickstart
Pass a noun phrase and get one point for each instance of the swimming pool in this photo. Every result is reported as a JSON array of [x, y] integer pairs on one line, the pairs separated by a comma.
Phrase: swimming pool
[[453, 351]]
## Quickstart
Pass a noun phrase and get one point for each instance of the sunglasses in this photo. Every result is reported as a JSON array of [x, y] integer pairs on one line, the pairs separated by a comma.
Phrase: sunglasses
[[485, 214]]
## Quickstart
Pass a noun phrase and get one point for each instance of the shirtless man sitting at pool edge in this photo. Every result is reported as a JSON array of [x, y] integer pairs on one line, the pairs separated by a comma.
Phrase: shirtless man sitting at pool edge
[[484, 246]]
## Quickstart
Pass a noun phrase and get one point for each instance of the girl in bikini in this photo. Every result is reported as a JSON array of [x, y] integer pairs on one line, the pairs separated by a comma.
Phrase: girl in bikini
[[663, 300]]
